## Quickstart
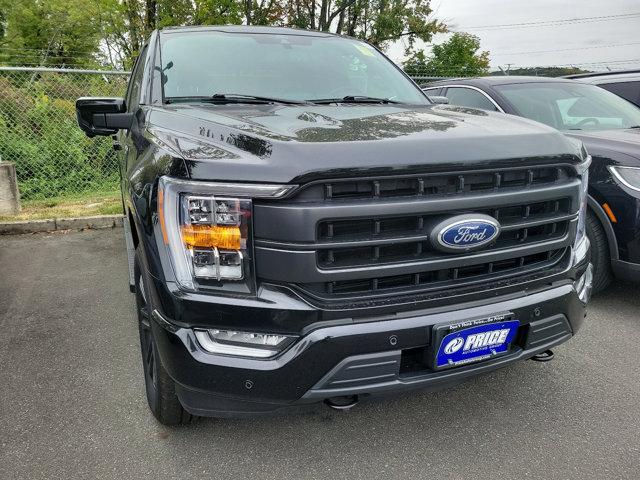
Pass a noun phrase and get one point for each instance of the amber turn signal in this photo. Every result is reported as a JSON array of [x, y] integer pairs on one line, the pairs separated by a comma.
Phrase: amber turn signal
[[210, 236], [609, 212]]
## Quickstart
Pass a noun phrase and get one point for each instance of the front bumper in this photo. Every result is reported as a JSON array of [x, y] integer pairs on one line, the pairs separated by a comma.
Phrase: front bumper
[[364, 357]]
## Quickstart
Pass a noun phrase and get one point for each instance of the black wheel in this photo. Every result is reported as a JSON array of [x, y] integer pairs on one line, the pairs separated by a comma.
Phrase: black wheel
[[160, 388], [600, 257]]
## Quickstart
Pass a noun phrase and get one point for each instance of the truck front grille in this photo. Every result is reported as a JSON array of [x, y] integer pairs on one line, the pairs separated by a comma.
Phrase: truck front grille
[[436, 184], [352, 239], [410, 251], [444, 278]]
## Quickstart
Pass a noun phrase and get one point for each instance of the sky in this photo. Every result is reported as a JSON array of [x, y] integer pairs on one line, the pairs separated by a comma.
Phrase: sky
[[570, 35]]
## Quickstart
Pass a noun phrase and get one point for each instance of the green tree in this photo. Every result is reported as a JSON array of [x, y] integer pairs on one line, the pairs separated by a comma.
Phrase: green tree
[[3, 21], [460, 56], [377, 21], [112, 32], [128, 23], [49, 32]]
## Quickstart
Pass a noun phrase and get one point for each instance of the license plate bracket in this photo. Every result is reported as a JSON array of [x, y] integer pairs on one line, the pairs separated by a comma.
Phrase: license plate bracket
[[470, 341]]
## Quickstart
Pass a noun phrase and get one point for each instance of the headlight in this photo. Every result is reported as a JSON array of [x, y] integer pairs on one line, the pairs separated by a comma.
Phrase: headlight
[[206, 229], [627, 176], [583, 172]]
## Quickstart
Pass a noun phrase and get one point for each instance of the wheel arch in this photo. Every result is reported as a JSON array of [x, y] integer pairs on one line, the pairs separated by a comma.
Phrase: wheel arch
[[132, 240], [600, 214]]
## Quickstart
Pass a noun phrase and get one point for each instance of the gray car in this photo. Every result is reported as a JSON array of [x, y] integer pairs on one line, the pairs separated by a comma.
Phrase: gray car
[[625, 84], [608, 125]]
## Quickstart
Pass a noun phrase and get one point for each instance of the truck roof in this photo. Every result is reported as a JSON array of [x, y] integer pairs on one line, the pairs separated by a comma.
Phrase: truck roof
[[612, 74], [246, 29], [498, 80]]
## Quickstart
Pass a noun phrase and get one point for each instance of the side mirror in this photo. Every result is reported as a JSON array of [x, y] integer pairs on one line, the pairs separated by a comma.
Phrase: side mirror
[[102, 116], [438, 100]]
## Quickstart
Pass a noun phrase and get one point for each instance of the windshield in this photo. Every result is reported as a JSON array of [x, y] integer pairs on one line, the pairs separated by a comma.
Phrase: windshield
[[571, 106], [280, 66]]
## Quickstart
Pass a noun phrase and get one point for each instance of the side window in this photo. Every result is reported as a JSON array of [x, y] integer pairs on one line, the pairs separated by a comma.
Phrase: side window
[[627, 90], [467, 97], [135, 84], [578, 110]]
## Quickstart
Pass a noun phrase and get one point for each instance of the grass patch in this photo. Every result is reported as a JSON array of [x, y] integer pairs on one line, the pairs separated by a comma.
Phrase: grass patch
[[102, 203]]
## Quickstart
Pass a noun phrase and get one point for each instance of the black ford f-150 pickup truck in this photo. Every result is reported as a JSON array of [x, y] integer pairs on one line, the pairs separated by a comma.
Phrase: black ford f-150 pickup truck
[[303, 225]]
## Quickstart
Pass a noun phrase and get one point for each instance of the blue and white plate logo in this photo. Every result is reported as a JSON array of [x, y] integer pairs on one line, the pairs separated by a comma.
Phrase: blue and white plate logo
[[476, 343], [465, 232]]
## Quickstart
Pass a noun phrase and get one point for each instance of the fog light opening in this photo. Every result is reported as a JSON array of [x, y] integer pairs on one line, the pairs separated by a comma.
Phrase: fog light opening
[[245, 344]]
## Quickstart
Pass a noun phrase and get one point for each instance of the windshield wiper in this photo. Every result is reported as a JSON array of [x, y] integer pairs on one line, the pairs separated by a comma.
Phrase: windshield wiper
[[353, 99], [225, 98], [241, 98]]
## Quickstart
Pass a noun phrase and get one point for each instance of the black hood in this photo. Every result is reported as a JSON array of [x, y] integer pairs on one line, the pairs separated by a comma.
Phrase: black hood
[[284, 143], [606, 143]]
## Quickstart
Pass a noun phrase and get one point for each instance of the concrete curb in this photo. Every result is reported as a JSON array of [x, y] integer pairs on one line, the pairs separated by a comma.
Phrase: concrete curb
[[80, 223]]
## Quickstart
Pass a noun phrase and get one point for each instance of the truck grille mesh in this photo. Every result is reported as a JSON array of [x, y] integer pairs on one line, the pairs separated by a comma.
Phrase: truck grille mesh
[[443, 278], [437, 184], [366, 238], [410, 251], [367, 228]]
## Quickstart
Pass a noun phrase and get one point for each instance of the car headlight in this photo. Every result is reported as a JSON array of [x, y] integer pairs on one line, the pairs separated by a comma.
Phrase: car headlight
[[206, 229], [583, 173], [627, 176]]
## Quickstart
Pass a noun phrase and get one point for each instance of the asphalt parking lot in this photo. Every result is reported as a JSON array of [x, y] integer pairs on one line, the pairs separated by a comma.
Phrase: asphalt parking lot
[[72, 401]]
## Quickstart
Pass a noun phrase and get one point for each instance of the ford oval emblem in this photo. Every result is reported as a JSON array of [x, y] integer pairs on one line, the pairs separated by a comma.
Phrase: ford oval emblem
[[465, 232]]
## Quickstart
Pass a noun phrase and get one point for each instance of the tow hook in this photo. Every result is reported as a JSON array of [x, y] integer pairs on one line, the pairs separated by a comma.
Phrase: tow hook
[[342, 403], [545, 356]]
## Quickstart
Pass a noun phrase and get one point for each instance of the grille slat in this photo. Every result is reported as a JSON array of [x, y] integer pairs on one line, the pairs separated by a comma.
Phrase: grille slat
[[403, 251], [400, 227], [442, 184], [441, 279]]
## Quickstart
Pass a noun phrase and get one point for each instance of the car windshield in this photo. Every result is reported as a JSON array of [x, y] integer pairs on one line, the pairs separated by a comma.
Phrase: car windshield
[[571, 106], [279, 66]]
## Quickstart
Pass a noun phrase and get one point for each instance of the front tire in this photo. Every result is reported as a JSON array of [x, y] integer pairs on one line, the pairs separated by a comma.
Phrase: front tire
[[600, 257], [160, 388]]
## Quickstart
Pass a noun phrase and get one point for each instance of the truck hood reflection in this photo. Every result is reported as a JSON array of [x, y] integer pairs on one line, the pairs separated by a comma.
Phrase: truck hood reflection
[[284, 143]]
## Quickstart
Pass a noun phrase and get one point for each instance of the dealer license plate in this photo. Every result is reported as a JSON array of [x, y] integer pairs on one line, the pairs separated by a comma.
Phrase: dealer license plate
[[474, 340]]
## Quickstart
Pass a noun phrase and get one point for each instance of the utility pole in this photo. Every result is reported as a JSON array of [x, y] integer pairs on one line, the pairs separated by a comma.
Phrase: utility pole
[[505, 72]]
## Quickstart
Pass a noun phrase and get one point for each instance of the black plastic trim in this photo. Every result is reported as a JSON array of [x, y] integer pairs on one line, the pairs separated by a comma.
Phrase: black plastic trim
[[296, 266], [606, 225], [432, 380], [297, 222], [626, 270]]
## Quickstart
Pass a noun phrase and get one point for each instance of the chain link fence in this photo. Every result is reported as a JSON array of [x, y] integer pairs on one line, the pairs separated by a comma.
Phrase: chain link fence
[[423, 79], [39, 133]]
